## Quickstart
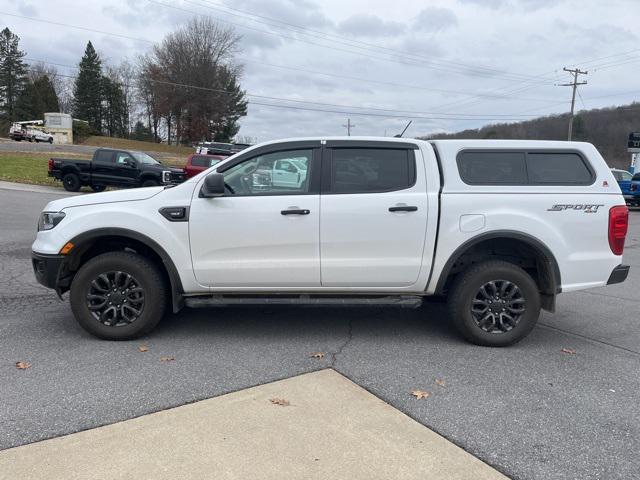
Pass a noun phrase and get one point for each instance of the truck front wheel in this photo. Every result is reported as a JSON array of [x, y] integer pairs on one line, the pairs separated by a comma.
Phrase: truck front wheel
[[150, 183], [71, 182], [494, 303], [118, 296]]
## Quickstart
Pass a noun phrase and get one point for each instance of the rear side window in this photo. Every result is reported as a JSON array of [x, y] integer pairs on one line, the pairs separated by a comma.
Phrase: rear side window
[[636, 177], [201, 161], [492, 168], [524, 168], [621, 176], [368, 170], [104, 156], [558, 168]]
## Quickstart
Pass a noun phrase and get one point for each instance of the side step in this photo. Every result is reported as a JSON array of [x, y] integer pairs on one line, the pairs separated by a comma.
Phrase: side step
[[403, 301]]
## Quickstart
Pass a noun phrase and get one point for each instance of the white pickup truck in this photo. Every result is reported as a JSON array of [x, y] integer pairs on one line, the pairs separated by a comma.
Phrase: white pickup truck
[[499, 227]]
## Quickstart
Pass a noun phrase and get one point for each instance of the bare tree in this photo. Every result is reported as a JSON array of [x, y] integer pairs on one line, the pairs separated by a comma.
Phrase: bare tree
[[191, 78]]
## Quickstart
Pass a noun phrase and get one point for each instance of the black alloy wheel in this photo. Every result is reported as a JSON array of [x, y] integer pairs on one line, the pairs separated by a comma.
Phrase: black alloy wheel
[[498, 306], [115, 299]]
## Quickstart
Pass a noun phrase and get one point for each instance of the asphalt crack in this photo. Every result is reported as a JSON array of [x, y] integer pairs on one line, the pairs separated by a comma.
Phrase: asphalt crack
[[334, 355]]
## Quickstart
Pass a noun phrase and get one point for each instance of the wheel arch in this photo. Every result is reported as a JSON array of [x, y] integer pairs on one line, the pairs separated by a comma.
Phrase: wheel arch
[[102, 240], [549, 277]]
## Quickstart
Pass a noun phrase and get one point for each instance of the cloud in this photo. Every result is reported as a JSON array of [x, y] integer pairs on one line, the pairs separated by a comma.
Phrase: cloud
[[27, 9], [524, 4], [434, 19], [294, 12], [368, 25]]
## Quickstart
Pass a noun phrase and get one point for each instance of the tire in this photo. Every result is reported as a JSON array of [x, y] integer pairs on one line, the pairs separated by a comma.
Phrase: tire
[[112, 322], [98, 188], [71, 182], [150, 183], [491, 327], [50, 141]]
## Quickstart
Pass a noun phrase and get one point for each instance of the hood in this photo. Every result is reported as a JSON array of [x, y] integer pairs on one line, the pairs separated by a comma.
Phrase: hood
[[129, 195]]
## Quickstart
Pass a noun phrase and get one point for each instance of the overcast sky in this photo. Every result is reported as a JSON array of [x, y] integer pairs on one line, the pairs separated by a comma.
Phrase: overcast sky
[[448, 64]]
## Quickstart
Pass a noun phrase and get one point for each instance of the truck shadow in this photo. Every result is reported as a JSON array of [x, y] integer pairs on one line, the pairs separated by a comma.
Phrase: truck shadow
[[294, 322]]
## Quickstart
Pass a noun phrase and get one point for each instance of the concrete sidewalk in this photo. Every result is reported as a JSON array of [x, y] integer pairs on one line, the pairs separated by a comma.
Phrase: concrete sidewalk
[[26, 187], [331, 428]]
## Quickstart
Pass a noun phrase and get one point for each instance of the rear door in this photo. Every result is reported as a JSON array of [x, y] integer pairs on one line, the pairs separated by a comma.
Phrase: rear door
[[103, 168], [373, 214]]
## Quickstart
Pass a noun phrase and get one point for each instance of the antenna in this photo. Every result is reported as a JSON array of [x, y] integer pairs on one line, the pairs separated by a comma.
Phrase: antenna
[[405, 129]]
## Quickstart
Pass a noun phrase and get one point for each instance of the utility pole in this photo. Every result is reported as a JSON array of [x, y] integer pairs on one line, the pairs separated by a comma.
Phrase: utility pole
[[349, 126], [575, 72]]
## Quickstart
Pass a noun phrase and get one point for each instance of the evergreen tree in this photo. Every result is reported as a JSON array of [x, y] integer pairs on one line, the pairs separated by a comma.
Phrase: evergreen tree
[[37, 98], [235, 106], [87, 90], [141, 132], [12, 73], [114, 108]]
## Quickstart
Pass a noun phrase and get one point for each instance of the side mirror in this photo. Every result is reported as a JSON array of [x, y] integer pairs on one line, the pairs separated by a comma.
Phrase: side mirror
[[213, 186], [129, 163]]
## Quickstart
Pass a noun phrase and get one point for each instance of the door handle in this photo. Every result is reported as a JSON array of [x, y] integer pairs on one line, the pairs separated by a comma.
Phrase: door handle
[[295, 211], [403, 208]]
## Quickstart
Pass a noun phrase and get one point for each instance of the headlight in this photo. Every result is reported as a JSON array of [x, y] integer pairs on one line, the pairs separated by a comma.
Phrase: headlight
[[48, 220]]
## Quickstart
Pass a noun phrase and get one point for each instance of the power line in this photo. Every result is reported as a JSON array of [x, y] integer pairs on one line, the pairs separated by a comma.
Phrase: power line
[[308, 102], [350, 42]]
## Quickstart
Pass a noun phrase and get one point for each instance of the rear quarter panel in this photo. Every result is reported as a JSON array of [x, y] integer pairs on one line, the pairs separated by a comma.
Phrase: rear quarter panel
[[576, 235]]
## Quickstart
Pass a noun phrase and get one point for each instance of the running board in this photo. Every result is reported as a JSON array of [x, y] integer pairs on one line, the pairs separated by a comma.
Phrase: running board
[[403, 301]]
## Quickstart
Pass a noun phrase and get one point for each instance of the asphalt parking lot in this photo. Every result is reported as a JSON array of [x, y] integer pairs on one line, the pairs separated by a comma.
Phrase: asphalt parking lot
[[531, 411]]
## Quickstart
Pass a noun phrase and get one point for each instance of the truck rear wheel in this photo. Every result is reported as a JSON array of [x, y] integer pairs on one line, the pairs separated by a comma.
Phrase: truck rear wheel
[[494, 303], [71, 182], [118, 296]]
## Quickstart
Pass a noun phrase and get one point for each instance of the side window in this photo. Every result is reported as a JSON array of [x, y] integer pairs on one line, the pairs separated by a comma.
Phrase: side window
[[260, 175], [122, 157], [200, 161], [621, 176], [104, 156], [558, 168], [636, 177], [492, 168], [368, 170]]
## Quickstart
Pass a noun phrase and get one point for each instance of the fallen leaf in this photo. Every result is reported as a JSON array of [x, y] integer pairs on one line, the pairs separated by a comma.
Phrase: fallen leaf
[[317, 355], [440, 382], [143, 348], [569, 351], [167, 359], [23, 365], [280, 401], [419, 394]]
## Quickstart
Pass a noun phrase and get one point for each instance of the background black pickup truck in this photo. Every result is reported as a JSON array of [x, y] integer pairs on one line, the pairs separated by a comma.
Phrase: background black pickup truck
[[110, 167]]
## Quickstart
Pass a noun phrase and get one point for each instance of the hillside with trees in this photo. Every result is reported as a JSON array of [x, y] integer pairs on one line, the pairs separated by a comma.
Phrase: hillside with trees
[[607, 128]]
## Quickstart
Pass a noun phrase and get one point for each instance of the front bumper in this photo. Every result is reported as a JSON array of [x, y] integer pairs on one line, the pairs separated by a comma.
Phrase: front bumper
[[47, 268], [618, 275]]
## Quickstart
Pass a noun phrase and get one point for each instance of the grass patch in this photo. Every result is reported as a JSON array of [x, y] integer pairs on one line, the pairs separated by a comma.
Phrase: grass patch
[[29, 168], [127, 144]]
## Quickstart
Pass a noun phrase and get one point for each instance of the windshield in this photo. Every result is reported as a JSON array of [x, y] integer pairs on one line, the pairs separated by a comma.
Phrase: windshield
[[144, 158]]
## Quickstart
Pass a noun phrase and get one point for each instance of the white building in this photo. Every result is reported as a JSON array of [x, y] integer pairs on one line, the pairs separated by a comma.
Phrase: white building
[[60, 125]]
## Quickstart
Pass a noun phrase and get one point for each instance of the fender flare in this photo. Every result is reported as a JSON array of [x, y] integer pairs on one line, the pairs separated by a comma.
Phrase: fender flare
[[172, 272], [537, 245]]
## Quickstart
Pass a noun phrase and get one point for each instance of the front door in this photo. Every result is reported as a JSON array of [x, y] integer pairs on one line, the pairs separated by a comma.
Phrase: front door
[[373, 216], [260, 234]]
